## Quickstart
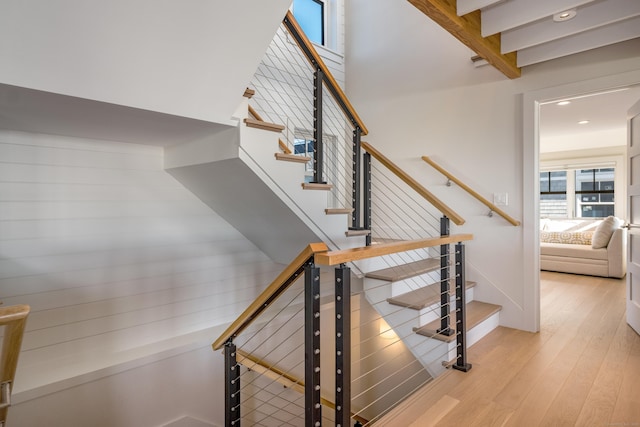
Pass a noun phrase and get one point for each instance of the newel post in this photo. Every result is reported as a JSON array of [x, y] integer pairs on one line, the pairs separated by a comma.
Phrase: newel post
[[445, 311], [313, 408], [231, 386], [318, 146], [461, 321], [343, 345]]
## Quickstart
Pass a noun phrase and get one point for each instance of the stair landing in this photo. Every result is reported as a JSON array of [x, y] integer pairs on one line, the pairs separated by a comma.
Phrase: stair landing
[[476, 312]]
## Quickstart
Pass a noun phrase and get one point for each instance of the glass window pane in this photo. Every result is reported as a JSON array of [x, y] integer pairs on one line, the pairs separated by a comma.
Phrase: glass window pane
[[558, 181], [596, 198], [310, 16], [544, 182]]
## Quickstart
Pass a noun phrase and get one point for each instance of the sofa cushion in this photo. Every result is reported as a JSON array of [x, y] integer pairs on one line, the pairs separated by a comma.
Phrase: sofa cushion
[[576, 238], [573, 251], [603, 232]]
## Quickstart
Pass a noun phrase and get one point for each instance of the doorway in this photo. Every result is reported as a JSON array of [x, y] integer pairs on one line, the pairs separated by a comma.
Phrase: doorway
[[533, 102]]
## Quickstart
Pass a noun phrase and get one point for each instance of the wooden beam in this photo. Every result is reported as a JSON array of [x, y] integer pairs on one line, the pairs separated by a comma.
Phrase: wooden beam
[[467, 29]]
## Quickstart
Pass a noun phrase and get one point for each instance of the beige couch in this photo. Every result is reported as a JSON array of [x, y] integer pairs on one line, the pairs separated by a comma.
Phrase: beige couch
[[596, 248]]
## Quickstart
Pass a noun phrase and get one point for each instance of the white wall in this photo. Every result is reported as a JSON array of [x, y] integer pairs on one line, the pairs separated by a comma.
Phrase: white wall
[[153, 394], [121, 265], [476, 131], [191, 58]]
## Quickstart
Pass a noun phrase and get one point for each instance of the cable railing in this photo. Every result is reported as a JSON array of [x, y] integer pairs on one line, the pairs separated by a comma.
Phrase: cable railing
[[273, 351], [452, 178], [311, 349]]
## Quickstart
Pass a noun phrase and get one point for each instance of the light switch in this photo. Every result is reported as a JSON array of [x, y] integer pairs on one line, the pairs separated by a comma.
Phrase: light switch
[[501, 199]]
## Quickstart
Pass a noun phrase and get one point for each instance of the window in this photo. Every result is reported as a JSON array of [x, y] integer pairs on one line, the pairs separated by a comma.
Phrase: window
[[310, 14], [553, 194], [577, 193], [594, 192]]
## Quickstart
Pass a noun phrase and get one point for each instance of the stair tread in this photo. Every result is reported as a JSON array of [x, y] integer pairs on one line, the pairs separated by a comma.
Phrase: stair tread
[[476, 311], [353, 233], [338, 211], [248, 93], [292, 158], [274, 127], [423, 297], [316, 186], [404, 271]]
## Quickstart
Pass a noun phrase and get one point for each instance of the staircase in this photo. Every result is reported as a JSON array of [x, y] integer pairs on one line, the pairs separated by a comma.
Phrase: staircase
[[251, 178], [400, 300]]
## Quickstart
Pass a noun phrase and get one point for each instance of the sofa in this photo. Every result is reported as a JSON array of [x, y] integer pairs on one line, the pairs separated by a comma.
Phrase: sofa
[[584, 246]]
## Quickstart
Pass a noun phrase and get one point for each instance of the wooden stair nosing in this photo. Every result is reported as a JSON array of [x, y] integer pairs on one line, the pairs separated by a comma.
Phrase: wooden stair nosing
[[292, 158], [405, 271], [355, 233], [338, 211], [316, 186], [476, 312], [424, 297], [248, 93], [273, 127]]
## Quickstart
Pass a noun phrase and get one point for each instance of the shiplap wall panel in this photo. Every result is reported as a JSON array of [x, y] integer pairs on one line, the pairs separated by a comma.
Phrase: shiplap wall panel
[[61, 228], [111, 253]]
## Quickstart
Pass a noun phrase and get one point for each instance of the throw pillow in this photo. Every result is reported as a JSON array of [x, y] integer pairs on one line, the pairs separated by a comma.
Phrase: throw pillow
[[604, 231]]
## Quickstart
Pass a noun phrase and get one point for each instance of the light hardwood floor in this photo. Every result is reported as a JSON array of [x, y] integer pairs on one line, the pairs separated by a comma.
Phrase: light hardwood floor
[[581, 369]]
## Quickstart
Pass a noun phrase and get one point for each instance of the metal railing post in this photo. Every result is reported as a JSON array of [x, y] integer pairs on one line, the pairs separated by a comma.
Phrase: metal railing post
[[231, 386], [355, 216], [343, 345], [367, 195], [318, 155], [445, 311], [461, 321], [313, 408]]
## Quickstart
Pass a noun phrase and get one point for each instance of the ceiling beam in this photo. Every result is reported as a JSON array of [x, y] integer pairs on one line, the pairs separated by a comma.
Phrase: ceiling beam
[[467, 29]]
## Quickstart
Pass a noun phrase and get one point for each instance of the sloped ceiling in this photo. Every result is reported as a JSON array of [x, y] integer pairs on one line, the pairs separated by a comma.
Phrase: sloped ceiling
[[511, 34]]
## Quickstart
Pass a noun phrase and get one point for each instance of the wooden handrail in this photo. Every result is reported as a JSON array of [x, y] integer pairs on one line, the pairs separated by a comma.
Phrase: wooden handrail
[[469, 190], [446, 210], [289, 275], [287, 380], [14, 319], [314, 58], [355, 254]]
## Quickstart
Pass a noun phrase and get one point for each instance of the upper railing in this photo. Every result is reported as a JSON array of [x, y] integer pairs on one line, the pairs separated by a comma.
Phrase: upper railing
[[426, 194], [491, 206], [316, 61]]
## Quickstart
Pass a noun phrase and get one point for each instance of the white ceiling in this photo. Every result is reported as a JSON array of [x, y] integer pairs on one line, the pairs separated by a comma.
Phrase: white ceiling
[[528, 27], [607, 115]]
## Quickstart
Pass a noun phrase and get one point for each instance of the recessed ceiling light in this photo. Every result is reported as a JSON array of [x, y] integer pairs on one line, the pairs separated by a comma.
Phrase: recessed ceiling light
[[565, 15], [583, 122], [561, 103]]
